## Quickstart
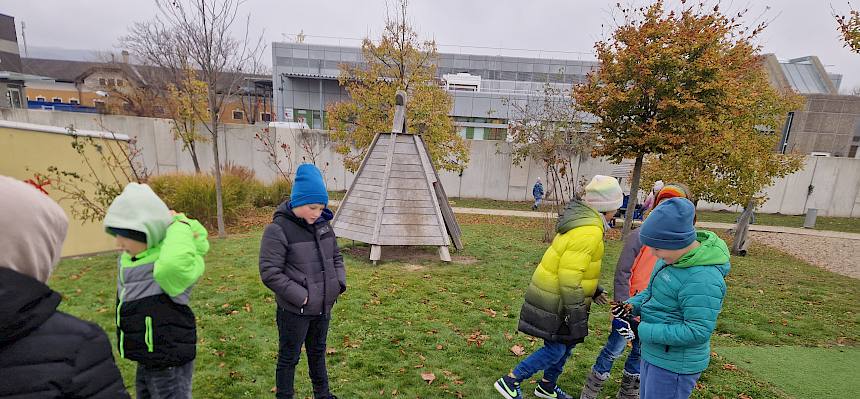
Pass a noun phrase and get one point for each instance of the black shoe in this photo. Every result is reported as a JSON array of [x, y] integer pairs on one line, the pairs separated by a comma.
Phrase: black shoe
[[548, 390], [509, 387]]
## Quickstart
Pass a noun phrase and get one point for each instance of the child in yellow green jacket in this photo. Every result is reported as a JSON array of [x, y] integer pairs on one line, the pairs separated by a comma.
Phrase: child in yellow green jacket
[[162, 259], [563, 286]]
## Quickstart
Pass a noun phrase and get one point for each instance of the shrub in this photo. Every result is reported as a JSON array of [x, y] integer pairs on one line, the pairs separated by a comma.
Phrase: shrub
[[273, 194], [194, 195]]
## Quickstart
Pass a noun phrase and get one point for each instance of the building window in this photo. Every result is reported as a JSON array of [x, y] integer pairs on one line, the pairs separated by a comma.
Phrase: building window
[[102, 82], [111, 83], [40, 98], [238, 114], [497, 134], [100, 106], [119, 82], [313, 118], [74, 101], [14, 96], [57, 100], [265, 117]]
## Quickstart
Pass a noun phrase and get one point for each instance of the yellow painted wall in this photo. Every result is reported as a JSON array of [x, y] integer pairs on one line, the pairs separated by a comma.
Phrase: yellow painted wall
[[25, 152]]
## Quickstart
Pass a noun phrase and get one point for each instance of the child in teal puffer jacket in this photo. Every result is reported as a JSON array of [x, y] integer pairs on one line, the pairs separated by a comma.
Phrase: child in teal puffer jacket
[[679, 308]]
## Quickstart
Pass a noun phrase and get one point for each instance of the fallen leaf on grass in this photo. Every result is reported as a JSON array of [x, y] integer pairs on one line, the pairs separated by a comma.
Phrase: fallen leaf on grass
[[508, 336], [490, 312], [330, 351], [348, 344], [730, 367], [518, 350], [476, 338], [428, 377], [439, 347]]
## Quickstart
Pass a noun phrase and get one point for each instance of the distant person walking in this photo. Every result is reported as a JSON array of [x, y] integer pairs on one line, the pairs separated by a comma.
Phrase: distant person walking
[[537, 192]]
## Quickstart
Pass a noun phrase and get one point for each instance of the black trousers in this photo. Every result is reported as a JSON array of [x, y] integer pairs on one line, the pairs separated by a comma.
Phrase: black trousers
[[295, 330]]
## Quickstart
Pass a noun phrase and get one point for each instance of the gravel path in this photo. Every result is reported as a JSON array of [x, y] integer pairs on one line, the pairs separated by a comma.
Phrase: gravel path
[[838, 255]]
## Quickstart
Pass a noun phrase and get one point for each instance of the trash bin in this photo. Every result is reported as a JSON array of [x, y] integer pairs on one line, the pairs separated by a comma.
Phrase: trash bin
[[809, 222]]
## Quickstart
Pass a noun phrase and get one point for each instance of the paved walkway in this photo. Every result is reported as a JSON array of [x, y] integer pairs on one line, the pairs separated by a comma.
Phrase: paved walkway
[[707, 225]]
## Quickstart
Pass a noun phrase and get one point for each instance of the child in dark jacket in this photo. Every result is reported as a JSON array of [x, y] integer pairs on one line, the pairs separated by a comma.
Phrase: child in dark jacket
[[44, 353], [301, 263]]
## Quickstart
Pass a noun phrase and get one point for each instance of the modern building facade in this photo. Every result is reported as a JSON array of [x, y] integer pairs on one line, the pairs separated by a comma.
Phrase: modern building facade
[[829, 123], [483, 87], [11, 79]]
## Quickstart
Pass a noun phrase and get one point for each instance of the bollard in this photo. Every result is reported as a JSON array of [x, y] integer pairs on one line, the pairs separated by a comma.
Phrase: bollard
[[809, 222]]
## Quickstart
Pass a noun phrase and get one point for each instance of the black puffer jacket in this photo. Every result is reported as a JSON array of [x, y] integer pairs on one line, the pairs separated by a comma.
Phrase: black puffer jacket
[[299, 261], [47, 354]]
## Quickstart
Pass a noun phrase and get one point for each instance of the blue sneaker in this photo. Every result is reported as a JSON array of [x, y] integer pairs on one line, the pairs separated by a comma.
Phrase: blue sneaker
[[548, 390], [509, 388]]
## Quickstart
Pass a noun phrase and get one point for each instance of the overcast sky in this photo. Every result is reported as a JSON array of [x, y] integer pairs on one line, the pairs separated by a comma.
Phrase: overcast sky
[[797, 27]]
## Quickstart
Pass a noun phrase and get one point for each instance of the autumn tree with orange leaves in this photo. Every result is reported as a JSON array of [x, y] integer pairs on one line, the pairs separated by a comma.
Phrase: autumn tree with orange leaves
[[848, 26], [670, 79]]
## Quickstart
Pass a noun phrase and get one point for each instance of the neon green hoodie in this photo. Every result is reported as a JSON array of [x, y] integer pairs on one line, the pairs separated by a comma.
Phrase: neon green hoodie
[[176, 243]]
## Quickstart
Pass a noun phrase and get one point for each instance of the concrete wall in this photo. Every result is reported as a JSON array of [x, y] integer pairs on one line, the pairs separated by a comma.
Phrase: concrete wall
[[489, 174], [826, 124], [835, 190]]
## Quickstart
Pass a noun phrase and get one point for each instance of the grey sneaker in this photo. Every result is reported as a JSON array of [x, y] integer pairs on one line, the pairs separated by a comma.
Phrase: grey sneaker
[[593, 385], [629, 386]]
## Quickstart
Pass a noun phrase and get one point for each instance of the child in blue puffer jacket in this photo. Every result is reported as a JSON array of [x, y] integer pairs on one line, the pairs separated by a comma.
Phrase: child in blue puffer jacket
[[679, 308]]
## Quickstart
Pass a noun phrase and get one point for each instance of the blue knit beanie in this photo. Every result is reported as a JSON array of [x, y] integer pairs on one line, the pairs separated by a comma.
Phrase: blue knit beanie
[[670, 225], [309, 187]]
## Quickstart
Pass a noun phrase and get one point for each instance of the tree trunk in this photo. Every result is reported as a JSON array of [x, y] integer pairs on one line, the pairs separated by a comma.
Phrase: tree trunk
[[634, 198], [219, 199], [548, 225], [739, 246], [193, 150]]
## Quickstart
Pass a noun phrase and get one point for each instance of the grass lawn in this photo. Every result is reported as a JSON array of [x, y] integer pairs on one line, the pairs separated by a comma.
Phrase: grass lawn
[[458, 321], [790, 366], [849, 225]]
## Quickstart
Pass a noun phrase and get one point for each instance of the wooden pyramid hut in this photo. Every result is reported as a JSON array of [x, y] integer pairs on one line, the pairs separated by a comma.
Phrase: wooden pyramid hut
[[396, 198]]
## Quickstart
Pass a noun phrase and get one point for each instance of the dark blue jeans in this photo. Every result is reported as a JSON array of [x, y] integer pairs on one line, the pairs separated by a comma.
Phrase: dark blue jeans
[[168, 383], [613, 349], [659, 383], [550, 358], [295, 330]]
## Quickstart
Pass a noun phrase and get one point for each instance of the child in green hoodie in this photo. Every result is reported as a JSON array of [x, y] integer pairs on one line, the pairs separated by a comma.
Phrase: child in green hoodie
[[162, 259], [679, 308]]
